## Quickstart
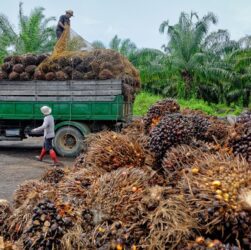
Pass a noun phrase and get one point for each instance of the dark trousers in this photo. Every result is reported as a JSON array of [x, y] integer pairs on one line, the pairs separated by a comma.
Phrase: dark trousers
[[48, 144]]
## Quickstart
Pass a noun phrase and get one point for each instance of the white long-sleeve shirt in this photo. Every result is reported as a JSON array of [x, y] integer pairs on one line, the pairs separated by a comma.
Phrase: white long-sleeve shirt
[[47, 126]]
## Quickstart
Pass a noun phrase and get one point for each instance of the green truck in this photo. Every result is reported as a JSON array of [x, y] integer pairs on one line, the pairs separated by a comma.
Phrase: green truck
[[79, 108]]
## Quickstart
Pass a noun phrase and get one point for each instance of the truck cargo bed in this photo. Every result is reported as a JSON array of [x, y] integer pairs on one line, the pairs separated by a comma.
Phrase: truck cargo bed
[[70, 100]]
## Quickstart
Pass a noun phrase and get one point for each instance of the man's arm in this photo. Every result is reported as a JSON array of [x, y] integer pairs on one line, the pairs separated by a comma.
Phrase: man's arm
[[61, 22], [41, 128]]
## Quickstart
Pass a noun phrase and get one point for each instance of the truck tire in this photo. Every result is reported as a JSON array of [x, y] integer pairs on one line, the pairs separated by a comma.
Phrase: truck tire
[[68, 141]]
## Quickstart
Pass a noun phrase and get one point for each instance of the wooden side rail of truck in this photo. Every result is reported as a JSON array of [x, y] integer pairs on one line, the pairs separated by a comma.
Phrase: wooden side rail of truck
[[78, 107]]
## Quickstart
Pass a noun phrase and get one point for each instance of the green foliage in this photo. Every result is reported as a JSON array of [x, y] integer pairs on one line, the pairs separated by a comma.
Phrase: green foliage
[[191, 51], [35, 35], [126, 47], [196, 64], [98, 45], [211, 109], [241, 86], [154, 69], [145, 99]]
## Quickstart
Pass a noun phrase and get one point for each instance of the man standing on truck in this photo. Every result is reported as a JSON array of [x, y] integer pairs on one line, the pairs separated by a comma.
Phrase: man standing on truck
[[48, 128], [63, 21]]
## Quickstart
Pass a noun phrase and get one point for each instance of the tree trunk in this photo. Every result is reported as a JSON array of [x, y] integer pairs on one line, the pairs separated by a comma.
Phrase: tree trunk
[[246, 98], [188, 82]]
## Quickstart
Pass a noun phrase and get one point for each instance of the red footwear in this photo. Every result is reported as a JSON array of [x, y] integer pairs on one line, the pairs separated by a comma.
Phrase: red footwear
[[53, 156], [42, 154]]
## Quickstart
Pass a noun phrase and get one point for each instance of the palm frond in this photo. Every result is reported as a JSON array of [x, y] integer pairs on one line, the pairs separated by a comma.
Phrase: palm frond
[[215, 73], [115, 43], [6, 28], [98, 44], [234, 95], [163, 26]]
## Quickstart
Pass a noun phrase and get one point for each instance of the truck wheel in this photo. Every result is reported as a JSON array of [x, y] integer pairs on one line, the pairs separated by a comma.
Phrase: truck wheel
[[68, 141]]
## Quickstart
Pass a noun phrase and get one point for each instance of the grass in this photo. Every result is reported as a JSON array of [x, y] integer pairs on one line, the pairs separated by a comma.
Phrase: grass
[[144, 100]]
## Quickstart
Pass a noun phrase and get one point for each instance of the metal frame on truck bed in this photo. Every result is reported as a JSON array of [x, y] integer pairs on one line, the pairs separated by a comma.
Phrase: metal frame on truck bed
[[79, 107]]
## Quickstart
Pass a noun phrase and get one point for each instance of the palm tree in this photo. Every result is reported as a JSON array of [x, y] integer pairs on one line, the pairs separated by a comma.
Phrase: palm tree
[[35, 35], [186, 48], [126, 47], [241, 86], [98, 45], [115, 43], [235, 56], [154, 70]]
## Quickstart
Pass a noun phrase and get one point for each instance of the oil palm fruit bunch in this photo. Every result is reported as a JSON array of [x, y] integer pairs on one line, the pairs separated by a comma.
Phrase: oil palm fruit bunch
[[101, 64], [244, 117], [26, 189], [240, 138], [135, 131], [201, 125], [76, 238], [80, 161], [206, 127], [184, 156], [75, 186], [113, 151], [5, 212], [157, 111], [120, 220], [122, 204], [216, 192], [170, 223], [209, 129], [218, 131], [53, 176], [21, 67], [114, 236], [17, 222], [47, 226], [128, 186], [200, 243], [173, 129], [91, 139]]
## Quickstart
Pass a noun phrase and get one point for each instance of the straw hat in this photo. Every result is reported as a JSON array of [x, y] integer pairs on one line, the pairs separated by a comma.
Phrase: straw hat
[[70, 12], [46, 110]]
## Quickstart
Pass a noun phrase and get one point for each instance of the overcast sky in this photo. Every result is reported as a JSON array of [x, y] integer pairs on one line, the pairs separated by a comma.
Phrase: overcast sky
[[138, 20]]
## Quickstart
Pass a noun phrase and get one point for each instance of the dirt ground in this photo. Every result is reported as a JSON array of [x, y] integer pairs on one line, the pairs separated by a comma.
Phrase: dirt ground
[[17, 164]]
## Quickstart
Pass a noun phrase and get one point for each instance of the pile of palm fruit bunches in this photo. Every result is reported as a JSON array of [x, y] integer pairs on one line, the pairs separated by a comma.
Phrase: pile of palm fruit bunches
[[177, 179], [98, 64]]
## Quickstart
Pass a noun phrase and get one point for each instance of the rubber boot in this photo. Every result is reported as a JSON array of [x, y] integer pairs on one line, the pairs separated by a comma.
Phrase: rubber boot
[[54, 156], [42, 154]]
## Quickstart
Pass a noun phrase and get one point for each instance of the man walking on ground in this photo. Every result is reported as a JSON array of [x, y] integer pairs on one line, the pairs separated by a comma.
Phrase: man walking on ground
[[63, 21], [49, 134]]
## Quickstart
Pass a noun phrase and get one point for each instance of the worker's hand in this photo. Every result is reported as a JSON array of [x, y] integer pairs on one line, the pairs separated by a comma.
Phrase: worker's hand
[[33, 130]]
